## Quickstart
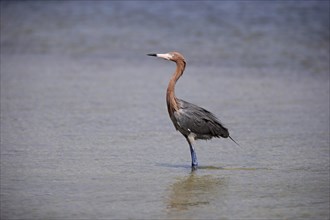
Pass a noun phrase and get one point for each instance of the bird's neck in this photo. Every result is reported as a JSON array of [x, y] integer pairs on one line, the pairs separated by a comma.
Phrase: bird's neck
[[172, 103]]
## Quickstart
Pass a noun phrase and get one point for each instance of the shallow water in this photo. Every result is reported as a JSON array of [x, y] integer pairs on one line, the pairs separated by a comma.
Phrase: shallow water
[[84, 126]]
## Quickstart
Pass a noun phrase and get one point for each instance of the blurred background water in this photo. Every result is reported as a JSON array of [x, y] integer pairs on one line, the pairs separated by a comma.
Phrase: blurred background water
[[84, 127]]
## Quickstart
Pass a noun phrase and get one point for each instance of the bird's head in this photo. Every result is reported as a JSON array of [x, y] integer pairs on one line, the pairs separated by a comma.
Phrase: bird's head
[[172, 56]]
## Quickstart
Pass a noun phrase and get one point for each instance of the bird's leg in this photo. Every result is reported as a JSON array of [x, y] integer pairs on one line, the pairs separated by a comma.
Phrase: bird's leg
[[194, 162]]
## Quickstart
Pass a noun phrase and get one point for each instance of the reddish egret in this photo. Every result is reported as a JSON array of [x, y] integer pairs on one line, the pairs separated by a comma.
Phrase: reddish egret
[[192, 121]]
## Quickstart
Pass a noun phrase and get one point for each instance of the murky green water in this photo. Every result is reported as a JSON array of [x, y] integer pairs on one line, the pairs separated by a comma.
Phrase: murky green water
[[84, 127]]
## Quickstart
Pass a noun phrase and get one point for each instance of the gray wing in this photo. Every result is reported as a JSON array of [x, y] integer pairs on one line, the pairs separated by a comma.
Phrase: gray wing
[[199, 121]]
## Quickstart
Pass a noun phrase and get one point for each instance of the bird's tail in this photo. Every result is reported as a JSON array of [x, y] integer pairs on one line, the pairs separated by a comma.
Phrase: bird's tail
[[233, 140]]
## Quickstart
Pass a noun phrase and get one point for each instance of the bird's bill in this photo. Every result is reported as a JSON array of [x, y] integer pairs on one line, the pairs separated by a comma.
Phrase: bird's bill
[[165, 56]]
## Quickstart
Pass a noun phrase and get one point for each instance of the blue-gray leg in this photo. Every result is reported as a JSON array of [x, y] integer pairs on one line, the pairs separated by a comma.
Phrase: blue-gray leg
[[194, 162]]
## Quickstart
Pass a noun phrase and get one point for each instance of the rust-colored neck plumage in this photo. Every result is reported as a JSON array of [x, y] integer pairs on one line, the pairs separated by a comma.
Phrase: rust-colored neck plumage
[[172, 103]]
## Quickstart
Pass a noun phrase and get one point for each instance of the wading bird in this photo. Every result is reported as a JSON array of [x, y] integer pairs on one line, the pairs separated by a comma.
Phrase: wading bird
[[192, 121]]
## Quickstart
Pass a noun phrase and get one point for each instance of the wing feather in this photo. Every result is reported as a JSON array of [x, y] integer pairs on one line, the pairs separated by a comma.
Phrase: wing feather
[[199, 121]]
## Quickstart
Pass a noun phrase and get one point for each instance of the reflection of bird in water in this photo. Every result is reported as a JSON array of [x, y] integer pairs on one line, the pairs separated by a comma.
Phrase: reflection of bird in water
[[191, 120], [194, 191]]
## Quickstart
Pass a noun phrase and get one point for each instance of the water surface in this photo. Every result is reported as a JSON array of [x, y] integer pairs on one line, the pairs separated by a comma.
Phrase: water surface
[[84, 127]]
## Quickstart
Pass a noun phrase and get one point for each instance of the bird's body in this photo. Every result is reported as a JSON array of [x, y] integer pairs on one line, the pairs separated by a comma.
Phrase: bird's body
[[192, 121]]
